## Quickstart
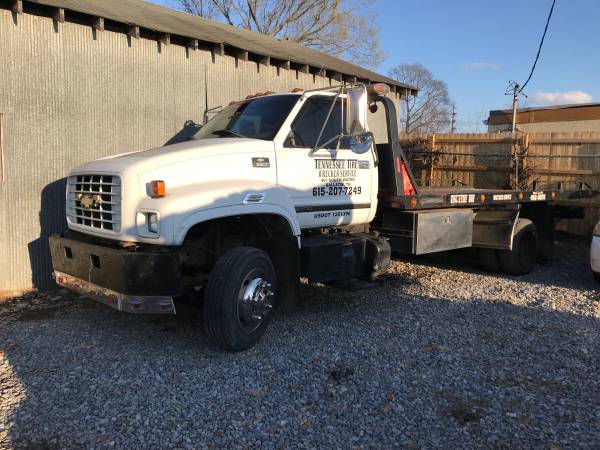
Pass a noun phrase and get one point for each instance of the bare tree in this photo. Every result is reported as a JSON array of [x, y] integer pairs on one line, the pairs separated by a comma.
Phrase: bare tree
[[430, 110], [343, 28]]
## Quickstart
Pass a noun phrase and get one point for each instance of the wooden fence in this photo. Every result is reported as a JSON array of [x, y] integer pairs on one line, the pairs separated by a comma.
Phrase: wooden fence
[[501, 161]]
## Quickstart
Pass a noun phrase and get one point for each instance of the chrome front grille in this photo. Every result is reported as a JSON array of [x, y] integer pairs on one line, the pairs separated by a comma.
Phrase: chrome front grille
[[94, 201]]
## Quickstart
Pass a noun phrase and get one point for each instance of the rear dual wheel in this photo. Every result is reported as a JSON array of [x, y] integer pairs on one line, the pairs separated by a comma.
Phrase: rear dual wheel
[[518, 261], [239, 298]]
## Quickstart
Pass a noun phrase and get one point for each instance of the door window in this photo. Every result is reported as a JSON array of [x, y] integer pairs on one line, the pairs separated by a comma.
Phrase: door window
[[310, 120]]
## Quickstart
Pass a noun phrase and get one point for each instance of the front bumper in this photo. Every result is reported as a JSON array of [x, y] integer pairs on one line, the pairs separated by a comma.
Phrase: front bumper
[[150, 304], [133, 281]]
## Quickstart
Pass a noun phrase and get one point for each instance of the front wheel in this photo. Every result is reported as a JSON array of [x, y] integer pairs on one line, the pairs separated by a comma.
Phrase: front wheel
[[239, 298]]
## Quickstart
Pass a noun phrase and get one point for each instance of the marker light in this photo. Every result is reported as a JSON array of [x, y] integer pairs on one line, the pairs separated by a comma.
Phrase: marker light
[[482, 198], [378, 89], [157, 189]]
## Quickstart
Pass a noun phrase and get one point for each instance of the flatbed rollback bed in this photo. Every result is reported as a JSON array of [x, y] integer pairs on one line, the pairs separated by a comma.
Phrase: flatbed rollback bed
[[512, 228]]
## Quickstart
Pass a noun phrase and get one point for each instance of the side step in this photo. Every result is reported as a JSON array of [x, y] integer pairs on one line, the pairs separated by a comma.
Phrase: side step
[[337, 257]]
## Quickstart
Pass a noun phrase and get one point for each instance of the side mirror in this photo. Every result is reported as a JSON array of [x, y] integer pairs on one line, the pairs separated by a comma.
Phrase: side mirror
[[359, 144], [356, 110], [290, 140], [207, 112]]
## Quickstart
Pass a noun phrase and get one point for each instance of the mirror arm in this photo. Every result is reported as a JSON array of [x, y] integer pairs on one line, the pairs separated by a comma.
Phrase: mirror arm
[[314, 150], [374, 150]]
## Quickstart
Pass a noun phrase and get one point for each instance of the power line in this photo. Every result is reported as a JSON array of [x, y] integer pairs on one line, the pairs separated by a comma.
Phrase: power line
[[539, 48], [514, 88]]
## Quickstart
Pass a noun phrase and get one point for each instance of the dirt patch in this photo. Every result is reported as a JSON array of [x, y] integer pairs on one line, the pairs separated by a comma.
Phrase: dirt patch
[[9, 296]]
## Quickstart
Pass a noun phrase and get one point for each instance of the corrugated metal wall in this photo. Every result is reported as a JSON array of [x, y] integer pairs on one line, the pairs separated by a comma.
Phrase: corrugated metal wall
[[70, 95]]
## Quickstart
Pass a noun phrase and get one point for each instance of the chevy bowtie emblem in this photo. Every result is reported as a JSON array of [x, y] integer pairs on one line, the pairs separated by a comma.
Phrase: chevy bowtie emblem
[[88, 200]]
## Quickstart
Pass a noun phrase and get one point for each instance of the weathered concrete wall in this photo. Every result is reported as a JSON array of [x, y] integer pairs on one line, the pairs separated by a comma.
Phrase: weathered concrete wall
[[70, 95]]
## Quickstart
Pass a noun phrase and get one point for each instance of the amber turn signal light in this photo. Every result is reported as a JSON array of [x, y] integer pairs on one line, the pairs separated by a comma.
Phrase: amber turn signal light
[[157, 189], [378, 89]]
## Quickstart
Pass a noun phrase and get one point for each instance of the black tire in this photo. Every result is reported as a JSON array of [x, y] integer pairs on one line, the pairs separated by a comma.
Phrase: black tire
[[597, 277], [521, 259], [234, 273]]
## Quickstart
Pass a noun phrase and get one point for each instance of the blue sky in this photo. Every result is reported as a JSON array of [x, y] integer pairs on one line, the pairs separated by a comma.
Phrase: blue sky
[[477, 46]]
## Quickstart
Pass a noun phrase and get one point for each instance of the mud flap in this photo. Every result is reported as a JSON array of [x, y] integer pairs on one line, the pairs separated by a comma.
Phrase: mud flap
[[494, 228]]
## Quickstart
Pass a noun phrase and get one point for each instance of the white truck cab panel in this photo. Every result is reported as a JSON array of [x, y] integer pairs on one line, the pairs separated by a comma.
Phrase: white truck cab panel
[[213, 175], [331, 186]]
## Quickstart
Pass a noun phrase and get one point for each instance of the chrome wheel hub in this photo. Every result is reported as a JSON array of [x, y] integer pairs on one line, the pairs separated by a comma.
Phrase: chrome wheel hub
[[255, 303]]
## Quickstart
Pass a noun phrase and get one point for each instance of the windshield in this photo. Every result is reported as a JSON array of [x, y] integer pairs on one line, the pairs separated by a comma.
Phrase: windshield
[[259, 118]]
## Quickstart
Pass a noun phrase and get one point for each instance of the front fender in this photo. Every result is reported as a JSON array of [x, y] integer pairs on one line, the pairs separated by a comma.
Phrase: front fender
[[187, 206]]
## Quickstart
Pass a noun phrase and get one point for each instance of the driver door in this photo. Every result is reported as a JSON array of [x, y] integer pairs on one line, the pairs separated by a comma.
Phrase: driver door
[[329, 187]]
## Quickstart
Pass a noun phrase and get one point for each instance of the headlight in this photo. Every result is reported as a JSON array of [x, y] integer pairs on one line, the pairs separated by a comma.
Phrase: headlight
[[597, 229], [152, 220]]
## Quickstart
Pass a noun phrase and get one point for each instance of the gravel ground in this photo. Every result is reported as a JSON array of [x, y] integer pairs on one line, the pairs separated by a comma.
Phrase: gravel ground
[[438, 355]]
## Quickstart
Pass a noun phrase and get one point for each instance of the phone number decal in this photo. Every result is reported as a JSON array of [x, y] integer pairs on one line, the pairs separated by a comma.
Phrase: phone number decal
[[336, 190]]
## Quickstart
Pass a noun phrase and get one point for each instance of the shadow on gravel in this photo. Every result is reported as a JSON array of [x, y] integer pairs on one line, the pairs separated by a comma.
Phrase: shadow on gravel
[[363, 368], [572, 257]]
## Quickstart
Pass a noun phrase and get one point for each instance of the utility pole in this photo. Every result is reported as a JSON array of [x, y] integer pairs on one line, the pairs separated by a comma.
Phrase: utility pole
[[453, 127], [514, 130], [515, 104]]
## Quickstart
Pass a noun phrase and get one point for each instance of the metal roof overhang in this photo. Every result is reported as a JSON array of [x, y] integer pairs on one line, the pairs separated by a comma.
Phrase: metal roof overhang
[[168, 21]]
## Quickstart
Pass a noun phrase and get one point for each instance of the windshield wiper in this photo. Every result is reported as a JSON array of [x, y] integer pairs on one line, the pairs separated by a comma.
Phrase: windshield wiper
[[231, 132]]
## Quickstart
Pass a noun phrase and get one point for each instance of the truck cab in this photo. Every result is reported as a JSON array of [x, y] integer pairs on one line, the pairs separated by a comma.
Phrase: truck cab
[[274, 188]]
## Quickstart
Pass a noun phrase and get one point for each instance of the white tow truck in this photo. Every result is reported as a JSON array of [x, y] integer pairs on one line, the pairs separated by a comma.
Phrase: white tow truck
[[272, 189]]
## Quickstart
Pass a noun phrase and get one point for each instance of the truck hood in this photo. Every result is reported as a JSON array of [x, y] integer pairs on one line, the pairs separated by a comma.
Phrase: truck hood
[[168, 155]]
